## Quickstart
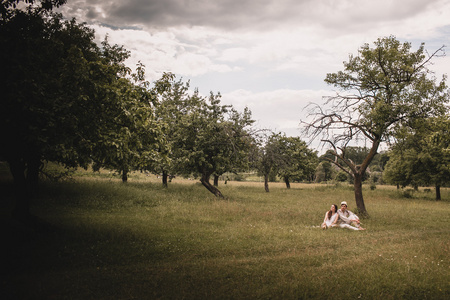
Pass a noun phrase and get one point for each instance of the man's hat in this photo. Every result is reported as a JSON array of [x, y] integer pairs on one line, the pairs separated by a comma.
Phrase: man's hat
[[344, 202]]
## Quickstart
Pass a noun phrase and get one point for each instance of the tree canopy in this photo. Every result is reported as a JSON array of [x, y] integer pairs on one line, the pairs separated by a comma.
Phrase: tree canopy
[[172, 103], [288, 157], [268, 159], [380, 89], [421, 155], [211, 139], [64, 97]]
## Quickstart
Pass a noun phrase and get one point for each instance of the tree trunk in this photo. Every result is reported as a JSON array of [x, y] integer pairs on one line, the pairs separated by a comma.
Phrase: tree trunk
[[266, 182], [438, 192], [205, 181], [124, 175], [164, 178], [359, 195], [288, 184], [216, 180], [21, 208], [32, 176]]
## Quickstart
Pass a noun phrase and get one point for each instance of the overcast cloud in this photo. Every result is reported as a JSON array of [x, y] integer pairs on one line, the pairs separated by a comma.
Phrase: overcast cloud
[[269, 55]]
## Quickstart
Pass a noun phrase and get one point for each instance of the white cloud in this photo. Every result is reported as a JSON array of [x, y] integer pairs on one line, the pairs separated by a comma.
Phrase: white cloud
[[234, 54], [164, 52], [278, 110], [270, 55], [242, 15]]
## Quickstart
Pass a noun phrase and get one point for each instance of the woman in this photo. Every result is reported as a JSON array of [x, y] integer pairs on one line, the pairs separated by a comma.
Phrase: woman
[[331, 217]]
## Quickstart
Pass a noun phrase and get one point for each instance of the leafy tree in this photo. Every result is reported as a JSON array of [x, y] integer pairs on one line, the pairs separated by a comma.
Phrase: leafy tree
[[381, 88], [59, 93], [354, 154], [240, 138], [172, 104], [299, 162], [324, 171], [398, 168], [133, 137], [211, 138], [268, 159], [379, 161], [422, 156], [341, 176], [357, 154], [7, 7]]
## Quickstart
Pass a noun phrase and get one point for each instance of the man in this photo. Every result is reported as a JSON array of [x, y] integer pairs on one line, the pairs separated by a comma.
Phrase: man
[[347, 218]]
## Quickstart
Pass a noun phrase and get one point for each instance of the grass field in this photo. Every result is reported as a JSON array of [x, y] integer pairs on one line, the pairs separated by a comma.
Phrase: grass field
[[108, 240]]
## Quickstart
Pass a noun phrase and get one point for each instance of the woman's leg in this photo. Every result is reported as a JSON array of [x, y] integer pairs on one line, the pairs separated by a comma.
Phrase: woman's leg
[[343, 225]]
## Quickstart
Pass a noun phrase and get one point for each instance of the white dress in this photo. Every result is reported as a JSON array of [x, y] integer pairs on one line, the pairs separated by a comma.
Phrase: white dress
[[331, 220]]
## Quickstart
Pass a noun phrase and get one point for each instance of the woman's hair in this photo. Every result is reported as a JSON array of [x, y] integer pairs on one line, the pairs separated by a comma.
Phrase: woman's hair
[[330, 212]]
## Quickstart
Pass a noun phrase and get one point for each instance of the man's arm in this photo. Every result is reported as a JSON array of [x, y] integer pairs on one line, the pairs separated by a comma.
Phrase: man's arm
[[342, 217], [352, 217]]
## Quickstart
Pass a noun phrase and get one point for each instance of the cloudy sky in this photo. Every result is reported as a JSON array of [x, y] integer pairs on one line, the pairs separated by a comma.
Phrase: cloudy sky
[[269, 55]]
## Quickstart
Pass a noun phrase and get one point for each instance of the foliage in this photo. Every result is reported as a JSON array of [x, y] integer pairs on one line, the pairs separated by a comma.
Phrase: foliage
[[172, 103], [203, 137], [211, 139], [324, 172], [63, 96], [133, 137], [299, 161], [381, 89], [379, 162], [353, 153], [421, 155], [268, 159], [7, 7], [341, 176]]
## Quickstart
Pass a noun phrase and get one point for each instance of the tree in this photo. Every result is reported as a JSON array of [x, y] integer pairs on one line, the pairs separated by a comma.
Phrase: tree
[[422, 155], [211, 138], [268, 159], [7, 7], [357, 154], [239, 137], [379, 161], [59, 93], [398, 168], [341, 176], [299, 162], [381, 88], [132, 138], [324, 171], [173, 102]]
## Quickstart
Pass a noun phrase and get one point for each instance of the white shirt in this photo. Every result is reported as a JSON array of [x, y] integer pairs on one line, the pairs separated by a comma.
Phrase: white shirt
[[347, 216]]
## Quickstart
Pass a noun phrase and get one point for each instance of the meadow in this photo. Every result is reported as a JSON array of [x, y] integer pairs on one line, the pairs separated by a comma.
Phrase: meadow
[[103, 239]]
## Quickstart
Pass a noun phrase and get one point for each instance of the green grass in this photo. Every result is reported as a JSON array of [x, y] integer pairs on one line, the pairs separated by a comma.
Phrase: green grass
[[141, 241]]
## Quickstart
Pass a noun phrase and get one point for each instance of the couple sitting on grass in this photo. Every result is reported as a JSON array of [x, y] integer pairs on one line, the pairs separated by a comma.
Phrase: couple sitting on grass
[[341, 218]]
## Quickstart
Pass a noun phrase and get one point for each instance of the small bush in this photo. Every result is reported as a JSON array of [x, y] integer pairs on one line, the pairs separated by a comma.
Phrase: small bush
[[341, 176], [239, 177]]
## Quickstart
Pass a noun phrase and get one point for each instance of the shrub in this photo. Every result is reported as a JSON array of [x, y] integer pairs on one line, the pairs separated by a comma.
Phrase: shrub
[[341, 176]]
